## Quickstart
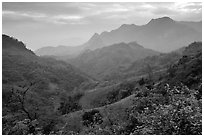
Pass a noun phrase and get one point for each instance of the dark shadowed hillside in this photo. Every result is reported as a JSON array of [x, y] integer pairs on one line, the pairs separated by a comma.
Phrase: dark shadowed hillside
[[188, 70], [34, 88], [26, 63]]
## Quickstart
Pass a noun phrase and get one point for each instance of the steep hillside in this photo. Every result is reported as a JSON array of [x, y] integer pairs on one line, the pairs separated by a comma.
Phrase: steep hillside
[[33, 87], [104, 61], [188, 70], [26, 63]]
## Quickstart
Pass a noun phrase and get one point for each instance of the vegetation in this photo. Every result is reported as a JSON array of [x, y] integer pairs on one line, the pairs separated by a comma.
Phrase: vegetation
[[91, 118], [46, 96], [33, 88], [70, 103]]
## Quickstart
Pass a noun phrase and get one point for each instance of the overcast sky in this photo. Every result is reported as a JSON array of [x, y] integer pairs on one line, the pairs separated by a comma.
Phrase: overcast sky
[[53, 24]]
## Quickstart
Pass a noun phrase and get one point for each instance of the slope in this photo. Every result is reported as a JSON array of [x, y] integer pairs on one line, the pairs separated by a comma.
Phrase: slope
[[104, 61], [172, 102], [33, 87]]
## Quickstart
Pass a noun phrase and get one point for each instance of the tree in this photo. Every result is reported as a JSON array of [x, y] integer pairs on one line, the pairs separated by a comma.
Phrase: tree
[[20, 95], [171, 71]]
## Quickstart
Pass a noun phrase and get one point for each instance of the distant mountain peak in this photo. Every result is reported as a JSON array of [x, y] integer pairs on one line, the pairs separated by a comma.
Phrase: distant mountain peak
[[134, 43], [161, 20], [126, 26], [94, 42], [95, 35]]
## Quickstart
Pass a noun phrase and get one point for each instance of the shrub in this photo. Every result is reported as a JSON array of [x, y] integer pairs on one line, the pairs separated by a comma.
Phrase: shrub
[[92, 118]]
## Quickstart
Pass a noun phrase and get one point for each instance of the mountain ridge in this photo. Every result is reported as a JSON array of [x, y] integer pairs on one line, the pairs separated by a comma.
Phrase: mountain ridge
[[161, 34]]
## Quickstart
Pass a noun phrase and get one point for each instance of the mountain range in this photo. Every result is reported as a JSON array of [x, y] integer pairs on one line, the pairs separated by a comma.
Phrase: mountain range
[[161, 34], [108, 85]]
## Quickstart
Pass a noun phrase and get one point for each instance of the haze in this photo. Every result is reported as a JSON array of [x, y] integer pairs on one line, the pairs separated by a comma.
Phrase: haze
[[71, 24]]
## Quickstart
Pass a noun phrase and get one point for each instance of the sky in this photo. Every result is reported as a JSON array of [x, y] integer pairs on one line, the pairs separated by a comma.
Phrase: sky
[[52, 24]]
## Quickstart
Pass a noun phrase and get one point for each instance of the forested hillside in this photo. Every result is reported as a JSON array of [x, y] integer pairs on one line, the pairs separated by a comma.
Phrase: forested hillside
[[33, 87], [158, 94], [102, 68], [169, 105], [100, 63]]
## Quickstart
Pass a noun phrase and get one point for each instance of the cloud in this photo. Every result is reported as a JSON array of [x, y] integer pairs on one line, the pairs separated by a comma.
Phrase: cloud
[[71, 13], [29, 15], [48, 8], [83, 13], [67, 19], [57, 19], [164, 11]]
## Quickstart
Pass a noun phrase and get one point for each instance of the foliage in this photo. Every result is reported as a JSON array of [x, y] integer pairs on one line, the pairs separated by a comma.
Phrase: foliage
[[91, 118], [176, 113], [116, 93], [41, 95], [70, 103]]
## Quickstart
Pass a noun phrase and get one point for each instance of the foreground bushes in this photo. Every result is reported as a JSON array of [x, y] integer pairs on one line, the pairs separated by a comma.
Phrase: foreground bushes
[[177, 112]]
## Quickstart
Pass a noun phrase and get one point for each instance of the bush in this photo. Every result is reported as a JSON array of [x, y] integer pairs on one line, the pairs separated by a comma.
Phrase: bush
[[70, 103], [92, 118]]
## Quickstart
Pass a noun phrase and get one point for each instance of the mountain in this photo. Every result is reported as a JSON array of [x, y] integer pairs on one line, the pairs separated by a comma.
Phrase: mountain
[[156, 64], [71, 51], [14, 47], [104, 60], [196, 25], [19, 61], [161, 34], [34, 88], [94, 43], [188, 70], [174, 100], [193, 49]]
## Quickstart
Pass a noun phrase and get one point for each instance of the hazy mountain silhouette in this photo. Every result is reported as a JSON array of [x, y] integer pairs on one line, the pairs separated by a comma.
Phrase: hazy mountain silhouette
[[196, 25], [94, 43], [59, 51], [161, 34], [72, 51]]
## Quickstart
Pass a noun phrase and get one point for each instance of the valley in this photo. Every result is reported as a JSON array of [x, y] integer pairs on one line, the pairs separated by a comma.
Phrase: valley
[[134, 80]]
